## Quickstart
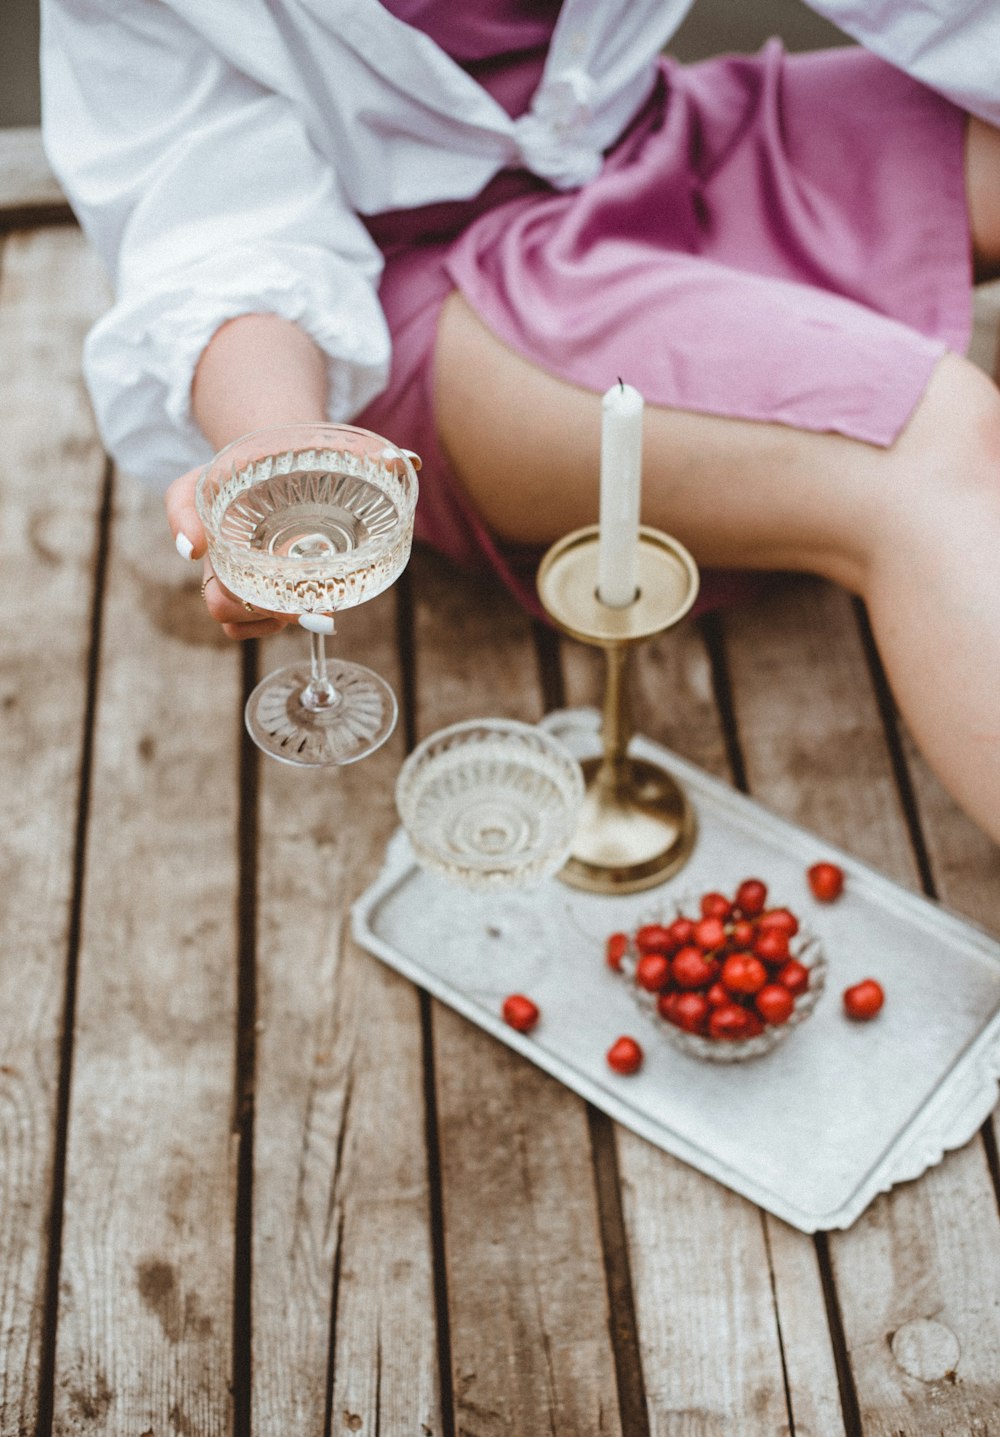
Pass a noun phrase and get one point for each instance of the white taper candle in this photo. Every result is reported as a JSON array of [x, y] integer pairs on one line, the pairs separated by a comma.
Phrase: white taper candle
[[621, 482]]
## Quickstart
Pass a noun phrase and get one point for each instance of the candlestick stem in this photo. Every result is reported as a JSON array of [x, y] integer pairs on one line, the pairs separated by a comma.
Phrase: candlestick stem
[[637, 826], [616, 726]]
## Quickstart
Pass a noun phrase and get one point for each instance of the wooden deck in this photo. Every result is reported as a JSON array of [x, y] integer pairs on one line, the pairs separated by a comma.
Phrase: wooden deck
[[252, 1181]]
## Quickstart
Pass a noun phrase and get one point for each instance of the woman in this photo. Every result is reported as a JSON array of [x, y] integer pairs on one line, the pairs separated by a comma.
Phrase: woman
[[458, 225]]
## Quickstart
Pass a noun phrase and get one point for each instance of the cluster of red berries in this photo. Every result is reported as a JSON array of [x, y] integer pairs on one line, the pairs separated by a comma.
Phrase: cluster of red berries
[[725, 974]]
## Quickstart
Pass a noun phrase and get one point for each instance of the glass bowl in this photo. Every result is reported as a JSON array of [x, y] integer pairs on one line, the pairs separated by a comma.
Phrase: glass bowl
[[490, 803], [804, 946]]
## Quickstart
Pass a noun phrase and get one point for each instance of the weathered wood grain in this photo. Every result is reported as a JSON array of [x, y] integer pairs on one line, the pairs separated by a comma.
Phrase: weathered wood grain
[[29, 192], [984, 347], [49, 523], [145, 1312], [343, 1296], [704, 1261], [965, 864], [929, 1249], [527, 1295]]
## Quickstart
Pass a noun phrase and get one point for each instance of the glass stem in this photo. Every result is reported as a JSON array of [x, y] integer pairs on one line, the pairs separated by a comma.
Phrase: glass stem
[[319, 693]]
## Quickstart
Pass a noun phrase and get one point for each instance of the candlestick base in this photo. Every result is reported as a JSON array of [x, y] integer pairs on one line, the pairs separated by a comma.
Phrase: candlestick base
[[637, 826], [629, 840]]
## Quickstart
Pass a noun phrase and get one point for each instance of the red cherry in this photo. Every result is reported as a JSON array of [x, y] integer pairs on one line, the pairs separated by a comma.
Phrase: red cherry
[[863, 1000], [691, 1012], [743, 973], [617, 947], [691, 968], [755, 1024], [715, 905], [775, 1003], [741, 935], [781, 918], [520, 1012], [718, 993], [652, 971], [751, 897], [772, 945], [794, 976], [826, 881], [729, 1022], [625, 1056], [654, 938], [710, 933], [666, 1004], [681, 931]]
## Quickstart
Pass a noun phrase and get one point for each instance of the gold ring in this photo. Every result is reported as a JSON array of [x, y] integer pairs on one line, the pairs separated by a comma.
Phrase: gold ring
[[205, 583], [248, 606]]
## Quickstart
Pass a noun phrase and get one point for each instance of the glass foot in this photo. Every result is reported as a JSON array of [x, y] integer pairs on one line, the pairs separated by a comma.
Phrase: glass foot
[[488, 944], [359, 722]]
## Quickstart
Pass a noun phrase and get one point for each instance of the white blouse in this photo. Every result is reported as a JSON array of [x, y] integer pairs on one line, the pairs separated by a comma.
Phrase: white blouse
[[218, 155]]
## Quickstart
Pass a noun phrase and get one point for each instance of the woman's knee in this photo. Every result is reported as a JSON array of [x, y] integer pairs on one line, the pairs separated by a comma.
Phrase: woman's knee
[[947, 459]]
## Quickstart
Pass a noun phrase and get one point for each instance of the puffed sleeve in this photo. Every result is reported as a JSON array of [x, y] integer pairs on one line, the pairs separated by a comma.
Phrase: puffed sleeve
[[206, 199], [952, 46]]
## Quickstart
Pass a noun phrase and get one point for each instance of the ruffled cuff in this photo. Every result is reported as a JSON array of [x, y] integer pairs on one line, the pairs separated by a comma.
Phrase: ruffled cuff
[[140, 358]]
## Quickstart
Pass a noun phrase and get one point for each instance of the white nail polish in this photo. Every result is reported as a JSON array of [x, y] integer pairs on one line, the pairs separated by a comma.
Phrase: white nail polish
[[317, 623], [184, 546]]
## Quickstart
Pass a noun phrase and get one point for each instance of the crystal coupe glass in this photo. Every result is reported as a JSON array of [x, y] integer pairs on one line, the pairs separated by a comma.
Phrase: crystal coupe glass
[[311, 519], [490, 807]]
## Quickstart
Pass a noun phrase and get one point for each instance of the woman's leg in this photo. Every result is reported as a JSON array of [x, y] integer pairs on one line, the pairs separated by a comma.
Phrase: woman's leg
[[914, 529]]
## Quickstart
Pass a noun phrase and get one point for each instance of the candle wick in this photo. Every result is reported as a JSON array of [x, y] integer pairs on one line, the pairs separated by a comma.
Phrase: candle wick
[[621, 382]]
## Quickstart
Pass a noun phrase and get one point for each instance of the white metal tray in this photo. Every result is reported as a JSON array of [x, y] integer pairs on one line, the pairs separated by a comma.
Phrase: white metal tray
[[812, 1131]]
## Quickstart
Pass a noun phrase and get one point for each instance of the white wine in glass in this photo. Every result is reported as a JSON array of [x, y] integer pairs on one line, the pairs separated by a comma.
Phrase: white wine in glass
[[310, 519]]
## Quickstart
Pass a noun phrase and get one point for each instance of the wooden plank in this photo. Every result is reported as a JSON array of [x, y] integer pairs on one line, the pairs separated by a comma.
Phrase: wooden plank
[[50, 291], [965, 864], [528, 1304], [984, 346], [146, 1310], [343, 1267], [29, 191], [928, 1251], [727, 1296]]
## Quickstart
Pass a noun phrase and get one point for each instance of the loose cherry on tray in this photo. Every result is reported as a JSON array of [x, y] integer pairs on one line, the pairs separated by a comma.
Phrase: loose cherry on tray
[[863, 1000], [826, 881], [625, 1056], [520, 1012]]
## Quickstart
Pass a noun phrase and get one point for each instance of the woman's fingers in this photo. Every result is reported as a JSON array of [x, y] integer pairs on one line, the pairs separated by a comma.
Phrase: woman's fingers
[[182, 516], [239, 619]]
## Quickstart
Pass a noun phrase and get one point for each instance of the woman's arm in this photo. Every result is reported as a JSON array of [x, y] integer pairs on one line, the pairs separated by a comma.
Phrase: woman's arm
[[206, 198], [952, 46], [257, 370]]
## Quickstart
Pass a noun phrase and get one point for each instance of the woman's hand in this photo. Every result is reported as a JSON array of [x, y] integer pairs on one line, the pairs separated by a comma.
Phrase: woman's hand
[[239, 619], [257, 370]]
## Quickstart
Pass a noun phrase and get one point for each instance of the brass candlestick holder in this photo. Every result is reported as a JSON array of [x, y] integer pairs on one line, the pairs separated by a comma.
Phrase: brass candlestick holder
[[637, 826]]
